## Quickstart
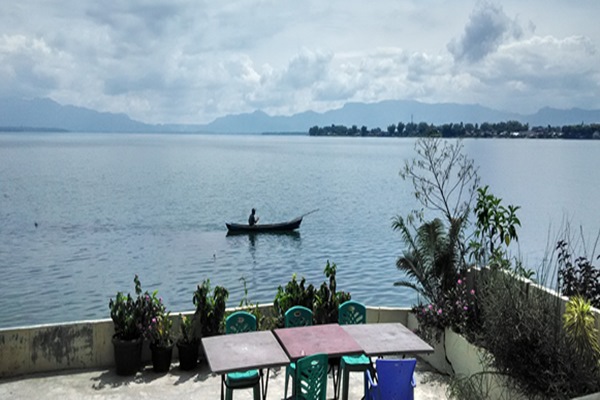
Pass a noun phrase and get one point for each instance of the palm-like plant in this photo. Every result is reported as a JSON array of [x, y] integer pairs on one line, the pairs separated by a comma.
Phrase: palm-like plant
[[433, 259], [579, 322]]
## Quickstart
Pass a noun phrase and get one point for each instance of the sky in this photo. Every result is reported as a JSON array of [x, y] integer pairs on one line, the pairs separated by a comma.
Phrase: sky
[[189, 62]]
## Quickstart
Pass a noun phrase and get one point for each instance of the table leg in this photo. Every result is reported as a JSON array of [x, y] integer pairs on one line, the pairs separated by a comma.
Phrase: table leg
[[222, 385], [265, 383], [336, 382]]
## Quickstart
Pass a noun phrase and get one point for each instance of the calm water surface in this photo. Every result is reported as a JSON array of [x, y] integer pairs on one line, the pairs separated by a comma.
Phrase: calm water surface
[[108, 206]]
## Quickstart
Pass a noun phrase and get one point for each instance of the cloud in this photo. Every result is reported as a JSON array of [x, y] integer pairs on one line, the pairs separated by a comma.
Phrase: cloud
[[190, 62], [487, 29], [526, 73]]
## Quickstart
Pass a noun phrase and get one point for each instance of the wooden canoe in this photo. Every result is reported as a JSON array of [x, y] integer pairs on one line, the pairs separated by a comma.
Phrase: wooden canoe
[[279, 227]]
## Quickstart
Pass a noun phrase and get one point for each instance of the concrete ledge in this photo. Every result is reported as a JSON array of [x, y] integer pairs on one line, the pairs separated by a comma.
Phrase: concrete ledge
[[87, 344]]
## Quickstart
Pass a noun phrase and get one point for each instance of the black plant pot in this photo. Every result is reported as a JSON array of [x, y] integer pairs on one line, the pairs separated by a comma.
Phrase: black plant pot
[[161, 358], [188, 355], [128, 356]]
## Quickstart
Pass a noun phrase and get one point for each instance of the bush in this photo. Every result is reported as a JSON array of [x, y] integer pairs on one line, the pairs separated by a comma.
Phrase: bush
[[577, 277], [295, 293], [323, 302], [456, 309], [210, 309], [328, 299], [522, 329]]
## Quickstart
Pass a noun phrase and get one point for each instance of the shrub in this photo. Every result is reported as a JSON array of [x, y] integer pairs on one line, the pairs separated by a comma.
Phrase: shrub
[[579, 323], [577, 277], [456, 309], [295, 293], [210, 309], [133, 317], [323, 302], [522, 329], [328, 299]]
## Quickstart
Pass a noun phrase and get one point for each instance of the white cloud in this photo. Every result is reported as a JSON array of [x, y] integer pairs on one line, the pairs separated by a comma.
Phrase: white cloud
[[190, 62]]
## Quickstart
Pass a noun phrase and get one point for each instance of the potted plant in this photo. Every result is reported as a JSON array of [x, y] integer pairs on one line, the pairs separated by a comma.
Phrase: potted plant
[[125, 313], [210, 310], [187, 344], [157, 327], [161, 344]]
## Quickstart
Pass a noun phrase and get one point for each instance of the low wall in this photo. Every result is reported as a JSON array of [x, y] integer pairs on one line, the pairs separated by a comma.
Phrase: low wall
[[88, 344]]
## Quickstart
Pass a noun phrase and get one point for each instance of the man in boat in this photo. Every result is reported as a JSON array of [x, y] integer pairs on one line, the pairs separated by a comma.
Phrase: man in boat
[[252, 219]]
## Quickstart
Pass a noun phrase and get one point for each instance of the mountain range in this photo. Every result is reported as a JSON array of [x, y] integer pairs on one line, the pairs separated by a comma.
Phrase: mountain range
[[46, 114]]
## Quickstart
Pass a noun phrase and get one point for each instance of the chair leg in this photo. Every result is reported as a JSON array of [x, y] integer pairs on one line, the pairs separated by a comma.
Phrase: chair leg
[[228, 393], [256, 390], [344, 383]]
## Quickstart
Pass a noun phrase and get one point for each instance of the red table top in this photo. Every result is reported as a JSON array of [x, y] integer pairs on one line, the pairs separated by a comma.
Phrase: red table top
[[330, 339]]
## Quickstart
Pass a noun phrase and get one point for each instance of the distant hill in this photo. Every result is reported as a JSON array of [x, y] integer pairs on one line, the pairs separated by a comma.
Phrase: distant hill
[[371, 115], [47, 114]]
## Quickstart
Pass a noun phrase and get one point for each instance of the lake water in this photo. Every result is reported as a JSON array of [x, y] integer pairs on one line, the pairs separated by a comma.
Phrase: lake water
[[108, 206]]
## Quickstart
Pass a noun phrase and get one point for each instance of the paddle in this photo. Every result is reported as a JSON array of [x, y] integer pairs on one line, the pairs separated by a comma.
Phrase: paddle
[[310, 212]]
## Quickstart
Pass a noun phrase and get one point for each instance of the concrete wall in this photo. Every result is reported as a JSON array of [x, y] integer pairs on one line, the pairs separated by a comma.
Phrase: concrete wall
[[88, 344]]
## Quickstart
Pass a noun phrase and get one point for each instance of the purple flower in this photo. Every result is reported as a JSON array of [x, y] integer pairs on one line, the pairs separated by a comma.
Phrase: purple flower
[[430, 307], [439, 311], [460, 282], [473, 291], [465, 308]]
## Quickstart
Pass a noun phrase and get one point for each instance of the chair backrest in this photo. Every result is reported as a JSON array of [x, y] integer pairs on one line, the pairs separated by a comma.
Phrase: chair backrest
[[395, 378], [352, 313], [298, 316], [311, 377], [240, 321]]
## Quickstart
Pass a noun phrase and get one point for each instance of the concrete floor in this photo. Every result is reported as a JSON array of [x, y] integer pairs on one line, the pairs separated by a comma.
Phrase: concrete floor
[[177, 384]]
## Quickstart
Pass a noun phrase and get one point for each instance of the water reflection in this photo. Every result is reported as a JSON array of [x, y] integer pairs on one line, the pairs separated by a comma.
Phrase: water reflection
[[293, 236]]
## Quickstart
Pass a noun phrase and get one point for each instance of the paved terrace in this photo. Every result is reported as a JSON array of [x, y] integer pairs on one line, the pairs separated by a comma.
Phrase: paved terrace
[[177, 384]]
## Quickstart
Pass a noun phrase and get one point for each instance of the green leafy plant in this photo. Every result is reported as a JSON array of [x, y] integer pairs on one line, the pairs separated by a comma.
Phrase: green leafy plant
[[151, 308], [495, 229], [456, 308], [129, 314], [327, 299], [577, 277], [579, 323], [124, 312], [433, 259], [294, 293], [210, 309], [186, 329], [324, 302], [160, 330], [521, 328], [263, 321]]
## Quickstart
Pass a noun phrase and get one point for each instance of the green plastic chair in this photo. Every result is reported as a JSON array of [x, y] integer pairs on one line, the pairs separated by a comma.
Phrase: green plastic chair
[[311, 378], [295, 316], [239, 322], [351, 313]]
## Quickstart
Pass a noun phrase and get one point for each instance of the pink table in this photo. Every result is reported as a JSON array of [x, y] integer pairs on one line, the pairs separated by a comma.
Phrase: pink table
[[330, 339]]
